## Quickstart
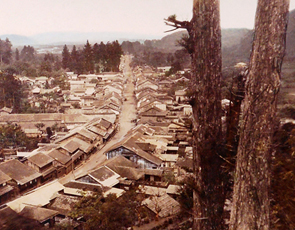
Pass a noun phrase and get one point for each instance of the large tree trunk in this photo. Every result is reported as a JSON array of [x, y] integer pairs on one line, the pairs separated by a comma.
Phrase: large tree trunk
[[251, 205], [205, 35]]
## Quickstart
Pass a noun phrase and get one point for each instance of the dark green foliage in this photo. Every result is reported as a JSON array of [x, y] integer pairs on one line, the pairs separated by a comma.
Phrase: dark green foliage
[[157, 53], [76, 105], [27, 54], [108, 213], [66, 57], [175, 67], [107, 56], [25, 68], [169, 177], [39, 126], [61, 81], [59, 128], [186, 194], [10, 91], [283, 179], [88, 61], [12, 135], [17, 57], [5, 51], [99, 58], [49, 132]]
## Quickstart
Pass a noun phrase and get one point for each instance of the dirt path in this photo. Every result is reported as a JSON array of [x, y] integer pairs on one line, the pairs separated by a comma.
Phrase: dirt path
[[127, 114]]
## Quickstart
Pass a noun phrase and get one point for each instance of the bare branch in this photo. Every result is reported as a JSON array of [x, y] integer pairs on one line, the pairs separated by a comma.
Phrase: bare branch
[[172, 21], [170, 30]]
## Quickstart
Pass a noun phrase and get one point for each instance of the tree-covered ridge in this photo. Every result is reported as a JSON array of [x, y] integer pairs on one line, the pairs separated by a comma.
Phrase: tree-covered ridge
[[93, 59], [89, 59], [151, 53]]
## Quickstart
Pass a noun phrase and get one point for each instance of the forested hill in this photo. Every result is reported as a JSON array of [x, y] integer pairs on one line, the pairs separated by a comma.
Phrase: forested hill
[[230, 37], [236, 43]]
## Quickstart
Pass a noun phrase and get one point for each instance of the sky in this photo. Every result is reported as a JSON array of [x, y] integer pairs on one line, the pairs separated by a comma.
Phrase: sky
[[146, 17]]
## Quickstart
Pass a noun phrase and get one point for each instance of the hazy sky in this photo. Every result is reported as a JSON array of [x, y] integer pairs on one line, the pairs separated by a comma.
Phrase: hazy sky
[[29, 17]]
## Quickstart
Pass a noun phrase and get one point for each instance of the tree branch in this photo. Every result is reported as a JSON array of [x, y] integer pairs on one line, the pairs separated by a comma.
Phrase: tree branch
[[172, 21]]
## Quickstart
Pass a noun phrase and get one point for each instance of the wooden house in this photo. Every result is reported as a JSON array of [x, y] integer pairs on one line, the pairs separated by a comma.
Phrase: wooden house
[[25, 177], [62, 162], [130, 150], [7, 190], [153, 114], [147, 84], [43, 164], [152, 103], [125, 168]]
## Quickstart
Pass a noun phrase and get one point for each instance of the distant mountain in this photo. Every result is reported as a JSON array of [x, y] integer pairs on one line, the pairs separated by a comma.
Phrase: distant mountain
[[236, 43], [242, 50], [18, 40], [78, 38], [60, 38], [230, 38]]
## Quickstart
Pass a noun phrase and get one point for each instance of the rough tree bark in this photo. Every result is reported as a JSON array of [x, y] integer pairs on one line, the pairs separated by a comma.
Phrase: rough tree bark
[[204, 45], [206, 67], [251, 205]]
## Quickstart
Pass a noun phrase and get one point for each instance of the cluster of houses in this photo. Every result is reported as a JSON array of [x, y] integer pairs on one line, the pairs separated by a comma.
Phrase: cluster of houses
[[82, 132], [150, 157], [163, 126], [67, 109]]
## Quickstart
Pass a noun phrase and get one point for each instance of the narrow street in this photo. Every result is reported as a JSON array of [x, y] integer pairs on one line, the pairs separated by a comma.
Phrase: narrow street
[[127, 114]]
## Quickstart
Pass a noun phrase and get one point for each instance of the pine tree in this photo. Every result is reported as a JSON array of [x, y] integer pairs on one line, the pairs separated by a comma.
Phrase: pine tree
[[17, 57], [76, 61], [5, 51], [88, 58], [27, 54], [66, 57]]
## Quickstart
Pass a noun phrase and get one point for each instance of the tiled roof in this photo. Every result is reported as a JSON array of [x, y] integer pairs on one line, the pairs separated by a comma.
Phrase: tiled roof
[[97, 130], [124, 167], [132, 146], [38, 213], [104, 123], [4, 178], [75, 144], [84, 186], [18, 171], [40, 159], [105, 176], [63, 203], [164, 204], [60, 157]]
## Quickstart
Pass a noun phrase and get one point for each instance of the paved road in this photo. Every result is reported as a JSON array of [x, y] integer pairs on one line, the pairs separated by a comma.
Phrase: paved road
[[127, 114]]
